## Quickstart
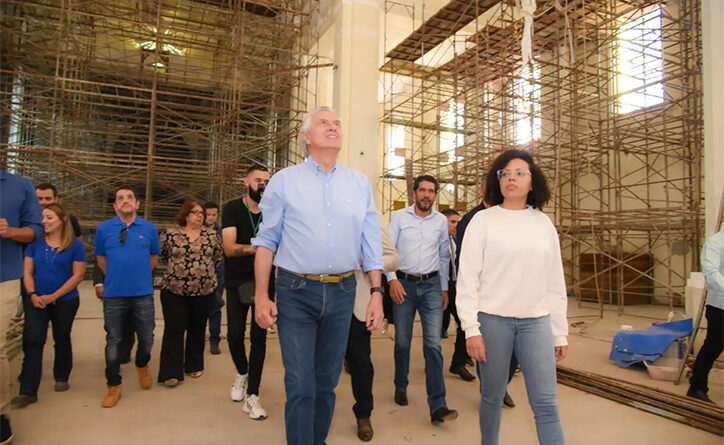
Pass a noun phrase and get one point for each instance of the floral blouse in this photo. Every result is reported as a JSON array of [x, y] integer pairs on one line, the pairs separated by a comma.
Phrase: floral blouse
[[191, 265]]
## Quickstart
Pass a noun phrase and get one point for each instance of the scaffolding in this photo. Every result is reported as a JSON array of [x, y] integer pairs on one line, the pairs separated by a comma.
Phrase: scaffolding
[[176, 98], [610, 107]]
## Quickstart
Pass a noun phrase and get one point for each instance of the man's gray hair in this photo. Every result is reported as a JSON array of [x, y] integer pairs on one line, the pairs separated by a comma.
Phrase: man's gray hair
[[307, 125]]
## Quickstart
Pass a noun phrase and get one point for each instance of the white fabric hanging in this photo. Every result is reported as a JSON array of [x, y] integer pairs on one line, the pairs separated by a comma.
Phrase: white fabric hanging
[[527, 8]]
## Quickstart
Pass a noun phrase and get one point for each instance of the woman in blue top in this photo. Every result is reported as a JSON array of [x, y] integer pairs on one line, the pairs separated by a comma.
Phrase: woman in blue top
[[54, 266]]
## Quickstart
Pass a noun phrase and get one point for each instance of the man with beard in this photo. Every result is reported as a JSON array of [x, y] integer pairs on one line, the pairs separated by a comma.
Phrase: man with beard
[[47, 193], [127, 249], [421, 238], [319, 220], [240, 223]]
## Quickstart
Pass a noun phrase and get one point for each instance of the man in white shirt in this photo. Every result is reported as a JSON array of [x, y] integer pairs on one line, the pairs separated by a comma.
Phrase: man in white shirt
[[420, 235]]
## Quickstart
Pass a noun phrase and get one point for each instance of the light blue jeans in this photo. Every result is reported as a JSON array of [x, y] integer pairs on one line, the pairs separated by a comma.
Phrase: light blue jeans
[[532, 341]]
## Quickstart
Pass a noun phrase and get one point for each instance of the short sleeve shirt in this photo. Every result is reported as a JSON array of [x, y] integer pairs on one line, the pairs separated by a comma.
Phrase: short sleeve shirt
[[53, 268], [128, 258], [191, 265], [236, 214]]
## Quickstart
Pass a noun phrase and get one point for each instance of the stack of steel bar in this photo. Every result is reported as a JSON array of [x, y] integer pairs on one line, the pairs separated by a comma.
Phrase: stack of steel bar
[[705, 416]]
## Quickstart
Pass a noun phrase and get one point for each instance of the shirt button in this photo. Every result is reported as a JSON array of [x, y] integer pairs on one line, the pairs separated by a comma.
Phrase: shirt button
[[330, 267], [329, 203], [329, 224], [330, 245]]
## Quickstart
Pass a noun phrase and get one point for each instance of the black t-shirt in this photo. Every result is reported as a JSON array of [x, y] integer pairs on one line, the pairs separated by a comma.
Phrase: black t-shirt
[[76, 225], [236, 214]]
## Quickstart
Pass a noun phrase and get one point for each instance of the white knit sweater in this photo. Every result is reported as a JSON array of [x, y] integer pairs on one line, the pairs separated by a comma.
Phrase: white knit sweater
[[510, 266]]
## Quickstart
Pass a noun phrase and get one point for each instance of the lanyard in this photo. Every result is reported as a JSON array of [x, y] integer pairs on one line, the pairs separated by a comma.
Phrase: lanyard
[[254, 227]]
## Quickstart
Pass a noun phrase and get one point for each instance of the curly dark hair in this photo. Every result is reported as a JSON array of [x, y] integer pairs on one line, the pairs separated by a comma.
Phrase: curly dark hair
[[537, 197], [186, 209], [426, 178]]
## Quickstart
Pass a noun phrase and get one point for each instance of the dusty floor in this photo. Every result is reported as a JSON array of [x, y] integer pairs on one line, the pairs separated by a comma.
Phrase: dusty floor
[[200, 411]]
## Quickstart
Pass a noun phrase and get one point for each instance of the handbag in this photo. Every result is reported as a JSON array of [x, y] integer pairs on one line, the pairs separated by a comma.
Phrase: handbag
[[245, 293]]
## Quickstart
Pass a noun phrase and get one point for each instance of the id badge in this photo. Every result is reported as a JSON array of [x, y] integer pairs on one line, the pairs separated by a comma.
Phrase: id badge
[[251, 241]]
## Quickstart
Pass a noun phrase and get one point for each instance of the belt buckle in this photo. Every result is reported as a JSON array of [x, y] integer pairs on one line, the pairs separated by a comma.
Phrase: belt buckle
[[324, 278]]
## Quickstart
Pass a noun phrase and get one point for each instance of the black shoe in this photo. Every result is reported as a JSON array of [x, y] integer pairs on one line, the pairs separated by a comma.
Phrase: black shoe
[[469, 362], [462, 372], [442, 414], [23, 400], [699, 394], [401, 397], [508, 401], [6, 434], [214, 349]]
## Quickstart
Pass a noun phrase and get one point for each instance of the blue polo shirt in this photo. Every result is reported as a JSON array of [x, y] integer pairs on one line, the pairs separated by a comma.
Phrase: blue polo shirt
[[19, 206], [52, 268], [128, 263]]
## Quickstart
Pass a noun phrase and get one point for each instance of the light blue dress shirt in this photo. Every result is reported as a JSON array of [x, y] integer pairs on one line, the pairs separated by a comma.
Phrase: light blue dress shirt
[[422, 243], [319, 223], [712, 265]]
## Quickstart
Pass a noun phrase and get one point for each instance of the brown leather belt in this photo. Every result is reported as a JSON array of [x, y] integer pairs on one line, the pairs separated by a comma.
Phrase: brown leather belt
[[322, 278]]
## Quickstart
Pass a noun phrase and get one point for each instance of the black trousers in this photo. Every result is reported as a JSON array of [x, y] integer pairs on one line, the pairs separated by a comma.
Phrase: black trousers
[[60, 315], [359, 359], [236, 314], [183, 314], [460, 354], [710, 350]]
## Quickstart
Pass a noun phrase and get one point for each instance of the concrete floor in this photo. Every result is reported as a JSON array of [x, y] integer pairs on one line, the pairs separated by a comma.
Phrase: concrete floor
[[200, 412]]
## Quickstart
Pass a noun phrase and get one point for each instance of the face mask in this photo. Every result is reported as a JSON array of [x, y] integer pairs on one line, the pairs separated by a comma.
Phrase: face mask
[[256, 194]]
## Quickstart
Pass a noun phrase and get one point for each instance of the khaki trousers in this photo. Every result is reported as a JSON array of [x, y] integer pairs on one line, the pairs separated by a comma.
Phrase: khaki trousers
[[9, 294]]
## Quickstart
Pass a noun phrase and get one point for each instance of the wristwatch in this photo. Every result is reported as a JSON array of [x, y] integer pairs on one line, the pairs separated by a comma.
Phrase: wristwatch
[[377, 289]]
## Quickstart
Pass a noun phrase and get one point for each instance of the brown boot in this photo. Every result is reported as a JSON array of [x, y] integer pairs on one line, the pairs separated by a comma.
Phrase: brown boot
[[364, 429], [144, 377], [111, 399]]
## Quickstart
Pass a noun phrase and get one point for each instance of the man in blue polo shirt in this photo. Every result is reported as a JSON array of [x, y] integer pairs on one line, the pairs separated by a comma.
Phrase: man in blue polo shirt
[[127, 251], [20, 223]]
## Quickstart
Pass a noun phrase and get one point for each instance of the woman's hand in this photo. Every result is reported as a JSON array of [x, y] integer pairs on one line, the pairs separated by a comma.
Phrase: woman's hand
[[476, 348], [37, 301], [561, 352]]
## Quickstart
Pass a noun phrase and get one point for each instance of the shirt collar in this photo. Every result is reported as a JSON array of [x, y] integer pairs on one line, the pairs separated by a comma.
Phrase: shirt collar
[[411, 210], [117, 220], [311, 163]]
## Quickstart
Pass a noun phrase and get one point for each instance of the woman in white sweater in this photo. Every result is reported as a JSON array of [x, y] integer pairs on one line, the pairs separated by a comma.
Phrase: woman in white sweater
[[511, 295]]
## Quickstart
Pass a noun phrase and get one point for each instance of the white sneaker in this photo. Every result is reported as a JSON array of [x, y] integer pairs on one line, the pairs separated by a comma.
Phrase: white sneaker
[[238, 389], [252, 407]]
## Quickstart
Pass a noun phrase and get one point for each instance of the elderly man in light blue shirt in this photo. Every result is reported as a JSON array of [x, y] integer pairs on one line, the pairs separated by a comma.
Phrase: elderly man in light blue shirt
[[319, 220], [420, 234], [712, 265]]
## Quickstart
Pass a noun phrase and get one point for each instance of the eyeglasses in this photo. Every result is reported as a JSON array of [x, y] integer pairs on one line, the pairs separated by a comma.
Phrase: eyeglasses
[[507, 173], [197, 212], [122, 238]]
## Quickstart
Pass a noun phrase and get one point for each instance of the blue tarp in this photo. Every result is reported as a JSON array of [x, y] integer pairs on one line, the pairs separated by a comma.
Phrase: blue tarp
[[631, 347]]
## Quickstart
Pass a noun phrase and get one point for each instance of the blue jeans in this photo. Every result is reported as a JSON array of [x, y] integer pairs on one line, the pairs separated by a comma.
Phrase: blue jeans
[[313, 325], [532, 341], [61, 314], [215, 320], [117, 312], [424, 296]]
